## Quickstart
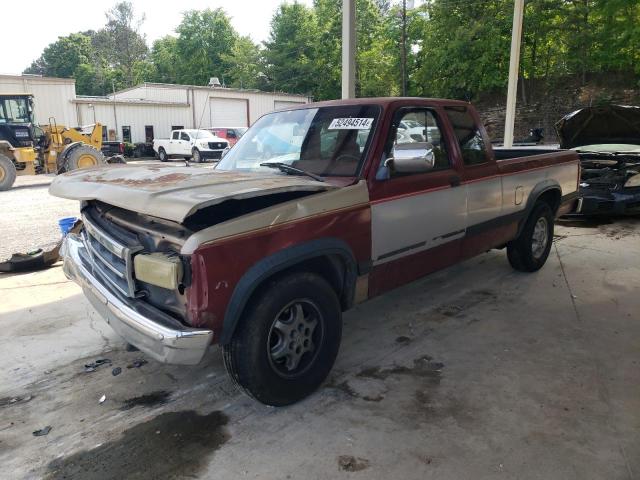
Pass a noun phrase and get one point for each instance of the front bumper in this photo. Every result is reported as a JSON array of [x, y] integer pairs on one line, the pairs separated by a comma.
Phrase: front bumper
[[211, 154], [155, 333], [610, 203]]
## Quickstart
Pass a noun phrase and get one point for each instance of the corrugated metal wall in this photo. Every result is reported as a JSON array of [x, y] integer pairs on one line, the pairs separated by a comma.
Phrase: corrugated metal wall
[[53, 97], [160, 117], [259, 103], [190, 107]]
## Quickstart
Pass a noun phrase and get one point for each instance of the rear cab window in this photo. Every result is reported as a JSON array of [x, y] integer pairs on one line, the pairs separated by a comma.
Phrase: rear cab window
[[468, 135], [175, 135]]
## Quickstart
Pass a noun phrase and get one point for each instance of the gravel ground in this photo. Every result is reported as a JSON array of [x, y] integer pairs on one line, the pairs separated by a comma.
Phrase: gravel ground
[[29, 218], [29, 215]]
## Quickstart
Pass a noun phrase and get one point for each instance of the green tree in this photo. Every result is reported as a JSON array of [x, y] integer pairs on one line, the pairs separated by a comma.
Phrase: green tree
[[464, 48], [204, 37], [290, 50], [121, 44], [165, 60], [244, 64], [62, 57]]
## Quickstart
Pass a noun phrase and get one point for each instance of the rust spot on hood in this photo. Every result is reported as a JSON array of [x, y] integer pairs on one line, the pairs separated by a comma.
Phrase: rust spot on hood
[[161, 181]]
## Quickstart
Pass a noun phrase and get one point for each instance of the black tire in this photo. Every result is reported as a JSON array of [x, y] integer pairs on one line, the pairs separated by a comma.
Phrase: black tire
[[84, 156], [196, 156], [7, 173], [162, 155], [260, 362], [529, 252]]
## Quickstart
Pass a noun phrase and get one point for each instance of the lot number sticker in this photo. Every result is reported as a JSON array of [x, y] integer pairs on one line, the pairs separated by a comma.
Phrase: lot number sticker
[[351, 124]]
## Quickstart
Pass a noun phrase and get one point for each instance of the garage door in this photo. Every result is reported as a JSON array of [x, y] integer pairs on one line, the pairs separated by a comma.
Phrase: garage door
[[228, 112], [280, 104]]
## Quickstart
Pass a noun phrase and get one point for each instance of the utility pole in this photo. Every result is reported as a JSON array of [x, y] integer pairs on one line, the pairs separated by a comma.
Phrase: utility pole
[[514, 63], [348, 49], [403, 52], [115, 116]]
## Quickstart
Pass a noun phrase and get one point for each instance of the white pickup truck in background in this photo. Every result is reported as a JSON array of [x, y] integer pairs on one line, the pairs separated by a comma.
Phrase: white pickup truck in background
[[197, 145]]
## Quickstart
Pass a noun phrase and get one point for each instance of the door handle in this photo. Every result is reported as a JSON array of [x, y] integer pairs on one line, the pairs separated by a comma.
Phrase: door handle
[[454, 180]]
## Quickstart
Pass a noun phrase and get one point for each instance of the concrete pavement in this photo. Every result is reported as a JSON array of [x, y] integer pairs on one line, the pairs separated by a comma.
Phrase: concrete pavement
[[474, 372]]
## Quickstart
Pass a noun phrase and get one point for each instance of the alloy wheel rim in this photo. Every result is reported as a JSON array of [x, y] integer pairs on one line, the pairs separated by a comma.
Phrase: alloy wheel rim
[[294, 338], [540, 237]]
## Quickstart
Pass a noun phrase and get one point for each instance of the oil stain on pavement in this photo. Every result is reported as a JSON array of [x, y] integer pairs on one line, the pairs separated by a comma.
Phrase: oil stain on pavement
[[171, 445], [148, 400]]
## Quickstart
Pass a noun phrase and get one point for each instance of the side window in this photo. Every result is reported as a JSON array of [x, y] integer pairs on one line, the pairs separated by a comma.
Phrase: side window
[[474, 151], [416, 130], [184, 136], [175, 136], [105, 133]]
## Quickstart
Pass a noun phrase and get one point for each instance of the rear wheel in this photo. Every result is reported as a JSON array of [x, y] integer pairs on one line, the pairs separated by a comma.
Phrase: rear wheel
[[7, 173], [287, 340], [529, 252], [162, 155], [84, 156]]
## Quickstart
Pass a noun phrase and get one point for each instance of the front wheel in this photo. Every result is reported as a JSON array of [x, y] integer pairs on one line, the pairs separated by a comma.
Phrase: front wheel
[[287, 340], [529, 252], [196, 156]]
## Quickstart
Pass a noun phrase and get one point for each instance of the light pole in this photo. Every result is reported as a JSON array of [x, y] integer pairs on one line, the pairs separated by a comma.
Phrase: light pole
[[348, 48], [514, 63]]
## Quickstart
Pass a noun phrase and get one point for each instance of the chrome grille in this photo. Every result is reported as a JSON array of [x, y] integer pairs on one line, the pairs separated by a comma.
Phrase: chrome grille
[[109, 258]]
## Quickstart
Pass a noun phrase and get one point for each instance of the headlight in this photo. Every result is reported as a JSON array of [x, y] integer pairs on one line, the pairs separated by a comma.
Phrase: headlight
[[158, 269], [204, 144], [633, 181]]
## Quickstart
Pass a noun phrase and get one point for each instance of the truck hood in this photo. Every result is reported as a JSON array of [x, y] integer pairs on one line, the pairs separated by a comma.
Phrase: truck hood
[[609, 124], [173, 193]]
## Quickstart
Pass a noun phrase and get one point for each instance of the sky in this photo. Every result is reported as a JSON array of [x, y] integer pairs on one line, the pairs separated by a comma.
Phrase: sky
[[49, 20]]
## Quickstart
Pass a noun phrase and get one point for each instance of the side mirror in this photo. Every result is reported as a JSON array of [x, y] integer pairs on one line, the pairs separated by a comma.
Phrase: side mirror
[[411, 158]]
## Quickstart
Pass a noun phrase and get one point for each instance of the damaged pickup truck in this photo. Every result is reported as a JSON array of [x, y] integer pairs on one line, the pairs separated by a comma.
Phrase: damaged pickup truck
[[262, 254], [607, 138]]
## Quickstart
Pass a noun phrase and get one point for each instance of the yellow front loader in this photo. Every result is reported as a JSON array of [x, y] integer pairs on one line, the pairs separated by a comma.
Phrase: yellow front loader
[[27, 149]]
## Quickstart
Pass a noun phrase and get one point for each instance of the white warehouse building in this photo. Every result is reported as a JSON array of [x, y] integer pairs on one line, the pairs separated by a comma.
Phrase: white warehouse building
[[152, 110], [53, 96], [147, 111]]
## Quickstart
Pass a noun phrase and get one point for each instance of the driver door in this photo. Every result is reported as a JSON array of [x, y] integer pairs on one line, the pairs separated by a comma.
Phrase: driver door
[[417, 219]]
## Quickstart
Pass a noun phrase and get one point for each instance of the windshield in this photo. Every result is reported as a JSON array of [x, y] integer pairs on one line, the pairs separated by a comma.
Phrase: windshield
[[326, 141], [15, 110], [196, 134]]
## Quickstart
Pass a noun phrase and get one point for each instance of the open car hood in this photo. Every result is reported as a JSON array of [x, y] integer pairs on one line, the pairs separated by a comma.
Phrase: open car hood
[[600, 125], [172, 192]]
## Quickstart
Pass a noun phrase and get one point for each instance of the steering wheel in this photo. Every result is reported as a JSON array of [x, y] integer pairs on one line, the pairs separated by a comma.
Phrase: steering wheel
[[342, 156]]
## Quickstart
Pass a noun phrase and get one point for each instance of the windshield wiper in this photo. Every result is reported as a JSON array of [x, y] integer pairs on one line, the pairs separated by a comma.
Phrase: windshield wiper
[[284, 167]]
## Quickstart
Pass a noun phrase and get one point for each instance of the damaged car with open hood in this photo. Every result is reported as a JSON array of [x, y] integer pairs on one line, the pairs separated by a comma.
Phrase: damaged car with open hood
[[316, 208], [607, 138]]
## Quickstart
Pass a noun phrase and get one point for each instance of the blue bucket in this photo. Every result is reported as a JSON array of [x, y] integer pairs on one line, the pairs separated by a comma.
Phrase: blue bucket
[[66, 224]]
